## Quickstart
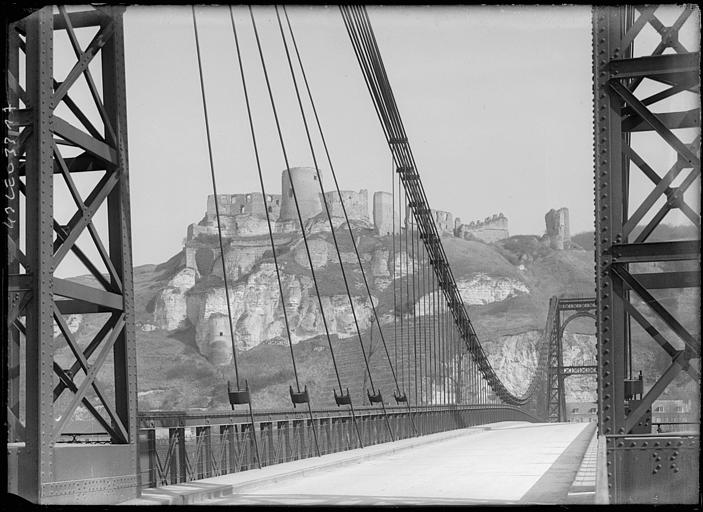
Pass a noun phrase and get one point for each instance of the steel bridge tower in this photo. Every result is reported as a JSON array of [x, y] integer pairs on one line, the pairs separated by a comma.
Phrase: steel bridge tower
[[567, 310], [56, 151], [642, 468]]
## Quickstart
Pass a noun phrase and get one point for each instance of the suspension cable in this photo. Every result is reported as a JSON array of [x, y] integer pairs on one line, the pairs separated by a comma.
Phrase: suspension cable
[[354, 244], [361, 33], [334, 176], [346, 398], [324, 198], [393, 277], [243, 396], [270, 232]]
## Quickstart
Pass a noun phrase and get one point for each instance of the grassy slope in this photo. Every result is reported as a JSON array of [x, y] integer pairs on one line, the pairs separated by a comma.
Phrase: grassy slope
[[170, 360], [173, 375]]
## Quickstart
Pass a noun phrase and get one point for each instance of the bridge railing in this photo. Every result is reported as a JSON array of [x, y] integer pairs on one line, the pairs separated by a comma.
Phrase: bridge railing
[[176, 447]]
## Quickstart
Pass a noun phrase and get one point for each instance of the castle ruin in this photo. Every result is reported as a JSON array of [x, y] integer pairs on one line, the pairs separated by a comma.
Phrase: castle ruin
[[443, 221], [491, 229], [243, 219], [557, 223]]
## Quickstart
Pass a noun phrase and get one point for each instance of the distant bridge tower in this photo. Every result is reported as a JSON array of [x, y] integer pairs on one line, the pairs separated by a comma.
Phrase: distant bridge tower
[[579, 308], [53, 137]]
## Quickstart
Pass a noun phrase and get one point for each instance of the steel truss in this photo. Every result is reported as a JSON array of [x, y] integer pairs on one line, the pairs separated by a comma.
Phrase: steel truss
[[56, 147], [556, 397], [624, 293]]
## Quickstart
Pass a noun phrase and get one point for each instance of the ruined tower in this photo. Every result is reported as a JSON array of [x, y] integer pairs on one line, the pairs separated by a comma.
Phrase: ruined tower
[[383, 213], [307, 190], [557, 223]]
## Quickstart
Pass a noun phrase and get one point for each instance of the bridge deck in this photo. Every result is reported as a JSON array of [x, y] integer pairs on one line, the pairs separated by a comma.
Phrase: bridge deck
[[509, 462]]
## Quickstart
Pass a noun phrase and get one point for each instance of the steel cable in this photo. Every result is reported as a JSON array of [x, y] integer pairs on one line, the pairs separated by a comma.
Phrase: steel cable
[[219, 232], [334, 176], [268, 223], [329, 216], [366, 49], [302, 225]]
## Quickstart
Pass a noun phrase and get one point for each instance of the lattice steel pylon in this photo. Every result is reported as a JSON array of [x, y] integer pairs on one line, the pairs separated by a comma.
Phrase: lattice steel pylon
[[67, 147], [638, 95], [557, 372]]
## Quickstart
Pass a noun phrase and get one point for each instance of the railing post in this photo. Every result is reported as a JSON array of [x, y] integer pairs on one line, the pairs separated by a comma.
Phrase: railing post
[[324, 437], [182, 455], [204, 454], [147, 458], [268, 454], [227, 461], [296, 451], [282, 441]]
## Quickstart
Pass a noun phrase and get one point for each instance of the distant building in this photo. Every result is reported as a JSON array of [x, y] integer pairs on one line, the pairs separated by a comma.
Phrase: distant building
[[677, 413], [581, 412], [667, 415]]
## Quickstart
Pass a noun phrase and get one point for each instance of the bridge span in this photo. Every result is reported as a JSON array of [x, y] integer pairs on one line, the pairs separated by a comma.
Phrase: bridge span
[[509, 462], [435, 393]]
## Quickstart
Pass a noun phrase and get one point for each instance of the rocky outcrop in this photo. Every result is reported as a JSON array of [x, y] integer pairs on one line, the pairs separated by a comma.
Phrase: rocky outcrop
[[257, 316], [72, 321], [484, 289], [579, 348], [170, 309], [514, 358]]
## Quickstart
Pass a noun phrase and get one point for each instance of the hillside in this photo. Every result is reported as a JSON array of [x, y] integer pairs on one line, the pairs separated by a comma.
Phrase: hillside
[[184, 350]]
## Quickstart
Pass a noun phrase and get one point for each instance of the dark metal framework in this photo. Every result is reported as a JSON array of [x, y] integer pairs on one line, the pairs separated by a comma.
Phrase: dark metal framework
[[58, 149], [579, 308], [624, 229]]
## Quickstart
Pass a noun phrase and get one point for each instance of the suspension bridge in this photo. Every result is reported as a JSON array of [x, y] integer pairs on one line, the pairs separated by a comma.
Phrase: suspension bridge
[[433, 417]]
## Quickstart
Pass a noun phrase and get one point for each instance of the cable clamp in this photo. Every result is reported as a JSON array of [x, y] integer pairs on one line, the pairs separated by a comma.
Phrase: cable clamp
[[343, 399], [239, 396], [299, 397]]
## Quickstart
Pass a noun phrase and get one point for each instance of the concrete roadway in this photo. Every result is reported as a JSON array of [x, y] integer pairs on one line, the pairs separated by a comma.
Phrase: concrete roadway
[[513, 462]]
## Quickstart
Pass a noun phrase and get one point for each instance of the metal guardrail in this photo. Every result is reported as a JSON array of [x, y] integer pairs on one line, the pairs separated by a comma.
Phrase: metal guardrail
[[176, 447]]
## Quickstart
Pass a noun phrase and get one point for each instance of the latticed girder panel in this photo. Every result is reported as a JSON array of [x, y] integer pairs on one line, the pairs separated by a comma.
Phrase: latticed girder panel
[[63, 121], [646, 85]]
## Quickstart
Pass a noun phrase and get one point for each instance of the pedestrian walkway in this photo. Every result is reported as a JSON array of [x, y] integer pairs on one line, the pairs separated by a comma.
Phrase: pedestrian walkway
[[583, 488], [509, 462]]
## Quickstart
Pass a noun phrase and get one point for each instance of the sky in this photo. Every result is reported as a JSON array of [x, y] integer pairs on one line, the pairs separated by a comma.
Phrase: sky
[[496, 102]]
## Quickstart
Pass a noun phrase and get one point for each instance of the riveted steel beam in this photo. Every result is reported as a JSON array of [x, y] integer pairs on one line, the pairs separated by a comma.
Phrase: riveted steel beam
[[41, 300], [621, 107]]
